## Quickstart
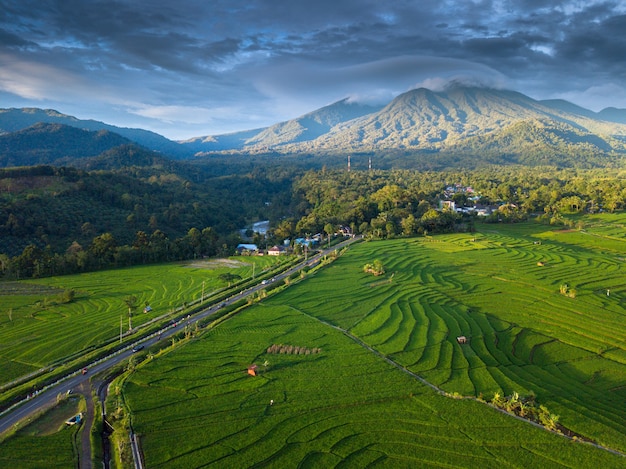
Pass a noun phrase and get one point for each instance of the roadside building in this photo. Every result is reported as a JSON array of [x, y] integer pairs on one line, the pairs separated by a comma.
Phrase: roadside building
[[276, 251], [247, 249]]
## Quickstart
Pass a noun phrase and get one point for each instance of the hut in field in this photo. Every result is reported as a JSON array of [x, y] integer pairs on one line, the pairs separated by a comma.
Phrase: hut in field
[[252, 370], [461, 339]]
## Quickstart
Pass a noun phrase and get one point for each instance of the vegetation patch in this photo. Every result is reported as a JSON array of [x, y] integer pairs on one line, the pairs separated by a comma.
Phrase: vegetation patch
[[46, 441], [291, 350]]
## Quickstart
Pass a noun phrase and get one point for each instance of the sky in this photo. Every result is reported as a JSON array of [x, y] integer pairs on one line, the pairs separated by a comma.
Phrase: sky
[[190, 68]]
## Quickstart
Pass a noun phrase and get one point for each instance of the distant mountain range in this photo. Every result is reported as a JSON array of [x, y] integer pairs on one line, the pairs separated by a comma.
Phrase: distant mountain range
[[12, 120], [487, 125]]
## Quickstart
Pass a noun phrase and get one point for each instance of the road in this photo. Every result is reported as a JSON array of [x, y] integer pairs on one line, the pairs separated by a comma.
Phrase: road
[[48, 396]]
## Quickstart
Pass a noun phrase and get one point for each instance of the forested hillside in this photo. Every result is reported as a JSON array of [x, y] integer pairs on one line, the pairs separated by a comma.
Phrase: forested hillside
[[54, 144], [59, 220]]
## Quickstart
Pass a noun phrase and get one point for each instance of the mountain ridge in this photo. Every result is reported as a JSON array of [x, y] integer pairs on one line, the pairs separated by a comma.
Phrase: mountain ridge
[[424, 119], [468, 122], [15, 119]]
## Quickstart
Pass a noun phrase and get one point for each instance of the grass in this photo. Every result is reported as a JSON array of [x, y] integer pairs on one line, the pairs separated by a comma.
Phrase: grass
[[346, 404]]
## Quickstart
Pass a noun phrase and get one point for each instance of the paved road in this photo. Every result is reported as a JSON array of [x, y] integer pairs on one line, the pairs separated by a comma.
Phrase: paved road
[[47, 397]]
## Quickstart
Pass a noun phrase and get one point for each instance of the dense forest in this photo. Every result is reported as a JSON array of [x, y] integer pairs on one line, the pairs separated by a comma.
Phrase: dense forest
[[57, 220]]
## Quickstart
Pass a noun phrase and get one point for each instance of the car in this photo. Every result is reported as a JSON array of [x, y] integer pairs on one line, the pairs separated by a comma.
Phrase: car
[[137, 348], [84, 371], [264, 282]]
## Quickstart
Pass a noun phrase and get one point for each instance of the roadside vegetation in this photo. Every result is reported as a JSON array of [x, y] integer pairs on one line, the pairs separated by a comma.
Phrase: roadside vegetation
[[46, 442]]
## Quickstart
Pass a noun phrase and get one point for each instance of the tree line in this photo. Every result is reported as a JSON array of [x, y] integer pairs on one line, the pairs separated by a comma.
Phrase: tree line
[[405, 203], [56, 221]]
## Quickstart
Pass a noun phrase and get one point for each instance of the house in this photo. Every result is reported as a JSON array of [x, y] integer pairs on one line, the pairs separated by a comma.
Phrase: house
[[345, 230], [276, 251], [447, 204], [252, 370], [461, 339], [305, 242], [147, 309], [247, 249]]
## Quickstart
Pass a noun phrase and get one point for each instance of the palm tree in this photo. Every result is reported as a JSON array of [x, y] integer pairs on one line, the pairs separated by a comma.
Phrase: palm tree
[[132, 303]]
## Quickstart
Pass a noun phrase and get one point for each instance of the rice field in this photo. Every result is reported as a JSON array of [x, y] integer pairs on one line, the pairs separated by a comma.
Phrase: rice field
[[37, 329], [47, 442], [347, 407], [344, 407]]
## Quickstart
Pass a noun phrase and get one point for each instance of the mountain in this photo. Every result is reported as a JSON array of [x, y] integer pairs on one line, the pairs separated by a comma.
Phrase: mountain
[[231, 141], [128, 156], [613, 115], [420, 128], [12, 120], [302, 129], [499, 126], [54, 144]]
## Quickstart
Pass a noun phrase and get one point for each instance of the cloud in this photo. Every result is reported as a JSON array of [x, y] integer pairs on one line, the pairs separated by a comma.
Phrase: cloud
[[231, 65], [36, 80], [598, 97]]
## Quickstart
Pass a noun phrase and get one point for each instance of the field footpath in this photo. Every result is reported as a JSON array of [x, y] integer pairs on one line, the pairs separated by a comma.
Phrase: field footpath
[[447, 394], [84, 457]]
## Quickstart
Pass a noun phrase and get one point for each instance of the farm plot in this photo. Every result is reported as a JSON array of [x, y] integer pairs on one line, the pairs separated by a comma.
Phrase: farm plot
[[47, 442], [339, 407], [523, 334], [38, 327]]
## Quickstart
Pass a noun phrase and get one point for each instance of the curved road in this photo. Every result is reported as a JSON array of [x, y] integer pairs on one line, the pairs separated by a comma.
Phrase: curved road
[[47, 397]]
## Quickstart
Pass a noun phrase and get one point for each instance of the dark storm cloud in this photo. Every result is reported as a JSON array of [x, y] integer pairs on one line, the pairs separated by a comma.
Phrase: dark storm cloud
[[193, 67]]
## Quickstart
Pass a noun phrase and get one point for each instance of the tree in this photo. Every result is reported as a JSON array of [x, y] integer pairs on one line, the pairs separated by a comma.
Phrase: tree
[[409, 225], [103, 248], [132, 303], [284, 230], [329, 229], [377, 268], [228, 277]]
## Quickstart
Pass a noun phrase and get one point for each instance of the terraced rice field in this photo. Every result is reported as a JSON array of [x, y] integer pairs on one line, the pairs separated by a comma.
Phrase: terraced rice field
[[343, 407], [35, 330], [500, 288]]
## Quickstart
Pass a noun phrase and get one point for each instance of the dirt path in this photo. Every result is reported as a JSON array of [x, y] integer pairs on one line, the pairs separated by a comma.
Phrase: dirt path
[[85, 441]]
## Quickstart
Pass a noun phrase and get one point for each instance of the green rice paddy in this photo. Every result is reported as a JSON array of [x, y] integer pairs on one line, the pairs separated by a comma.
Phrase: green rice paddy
[[36, 329], [47, 442], [347, 407]]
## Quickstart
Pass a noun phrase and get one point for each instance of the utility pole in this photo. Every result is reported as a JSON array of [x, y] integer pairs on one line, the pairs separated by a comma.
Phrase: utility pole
[[253, 269], [121, 317], [202, 299], [348, 163]]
